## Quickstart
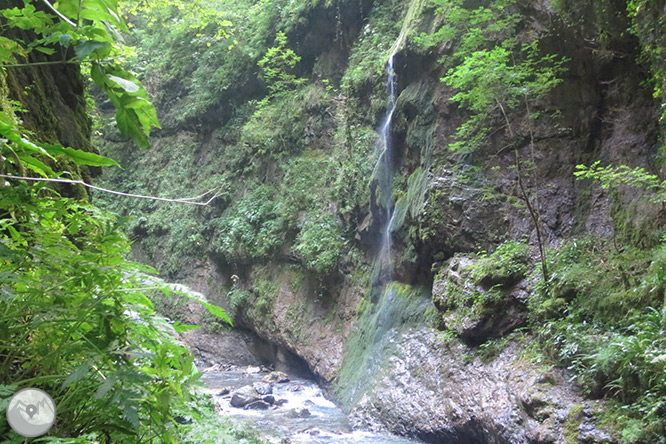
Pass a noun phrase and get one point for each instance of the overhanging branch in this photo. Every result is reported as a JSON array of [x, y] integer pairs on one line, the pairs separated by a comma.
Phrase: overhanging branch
[[184, 200]]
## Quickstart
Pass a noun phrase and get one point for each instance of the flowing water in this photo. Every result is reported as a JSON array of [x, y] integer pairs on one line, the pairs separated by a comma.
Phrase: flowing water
[[385, 172], [307, 417]]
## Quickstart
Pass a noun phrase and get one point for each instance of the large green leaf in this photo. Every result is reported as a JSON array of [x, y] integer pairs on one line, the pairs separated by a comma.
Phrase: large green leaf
[[70, 8], [128, 124], [77, 156], [128, 85], [81, 157], [144, 110], [103, 11], [135, 115], [37, 166], [86, 47]]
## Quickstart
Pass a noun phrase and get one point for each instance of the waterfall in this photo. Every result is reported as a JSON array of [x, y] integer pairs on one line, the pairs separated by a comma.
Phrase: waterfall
[[383, 269], [391, 304]]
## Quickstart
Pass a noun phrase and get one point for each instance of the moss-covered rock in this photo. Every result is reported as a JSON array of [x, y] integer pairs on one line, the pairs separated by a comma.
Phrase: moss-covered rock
[[481, 297]]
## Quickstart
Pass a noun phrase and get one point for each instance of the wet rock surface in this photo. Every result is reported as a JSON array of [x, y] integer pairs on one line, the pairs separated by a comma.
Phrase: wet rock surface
[[439, 393], [233, 345], [244, 396], [258, 405], [263, 388], [299, 413]]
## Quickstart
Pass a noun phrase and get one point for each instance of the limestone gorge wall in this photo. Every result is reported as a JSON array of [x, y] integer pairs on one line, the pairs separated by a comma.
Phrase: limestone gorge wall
[[289, 248]]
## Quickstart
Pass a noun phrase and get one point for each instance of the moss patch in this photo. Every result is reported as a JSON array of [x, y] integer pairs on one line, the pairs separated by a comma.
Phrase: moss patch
[[574, 419], [368, 346]]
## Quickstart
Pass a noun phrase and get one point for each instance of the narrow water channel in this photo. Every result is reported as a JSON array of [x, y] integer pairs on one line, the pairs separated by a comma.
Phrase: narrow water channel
[[306, 417]]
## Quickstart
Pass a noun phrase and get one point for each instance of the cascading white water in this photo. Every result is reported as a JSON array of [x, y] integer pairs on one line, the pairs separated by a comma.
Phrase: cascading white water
[[324, 422], [385, 171]]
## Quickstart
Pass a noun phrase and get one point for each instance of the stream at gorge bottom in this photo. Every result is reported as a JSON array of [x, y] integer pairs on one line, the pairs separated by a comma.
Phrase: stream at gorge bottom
[[306, 417]]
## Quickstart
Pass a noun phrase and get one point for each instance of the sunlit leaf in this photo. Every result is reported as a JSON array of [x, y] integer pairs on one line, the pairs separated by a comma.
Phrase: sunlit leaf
[[127, 85], [181, 328]]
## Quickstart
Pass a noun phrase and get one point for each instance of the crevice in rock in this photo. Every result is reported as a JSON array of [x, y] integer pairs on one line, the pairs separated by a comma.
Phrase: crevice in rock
[[279, 358]]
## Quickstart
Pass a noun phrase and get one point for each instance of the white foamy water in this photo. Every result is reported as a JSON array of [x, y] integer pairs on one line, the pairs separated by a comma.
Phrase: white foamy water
[[306, 417]]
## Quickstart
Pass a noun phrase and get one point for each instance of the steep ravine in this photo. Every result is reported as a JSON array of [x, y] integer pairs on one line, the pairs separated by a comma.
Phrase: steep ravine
[[308, 162]]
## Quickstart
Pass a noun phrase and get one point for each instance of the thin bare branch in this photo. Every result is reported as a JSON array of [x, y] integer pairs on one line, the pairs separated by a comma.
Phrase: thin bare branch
[[184, 200], [55, 62], [59, 14]]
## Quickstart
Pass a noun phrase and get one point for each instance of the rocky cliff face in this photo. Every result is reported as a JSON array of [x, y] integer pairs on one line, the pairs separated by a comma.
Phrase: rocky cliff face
[[55, 110], [306, 161]]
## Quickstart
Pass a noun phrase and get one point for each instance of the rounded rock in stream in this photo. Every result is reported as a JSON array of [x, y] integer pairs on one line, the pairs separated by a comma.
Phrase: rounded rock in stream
[[258, 405], [275, 378], [263, 388], [244, 396]]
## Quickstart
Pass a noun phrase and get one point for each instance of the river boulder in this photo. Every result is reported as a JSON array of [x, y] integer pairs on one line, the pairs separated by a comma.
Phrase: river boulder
[[263, 388], [275, 378], [258, 405], [244, 396]]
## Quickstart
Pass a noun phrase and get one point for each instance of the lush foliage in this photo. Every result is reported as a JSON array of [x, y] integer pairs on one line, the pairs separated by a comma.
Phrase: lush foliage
[[648, 23], [605, 315], [604, 319], [508, 262], [76, 323], [491, 67], [254, 229], [84, 31], [277, 66], [612, 176], [74, 318], [368, 59], [178, 16], [320, 242]]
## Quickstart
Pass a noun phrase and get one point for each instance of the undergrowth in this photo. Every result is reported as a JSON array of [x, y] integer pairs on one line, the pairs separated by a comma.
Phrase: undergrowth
[[76, 323], [604, 319]]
